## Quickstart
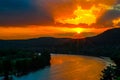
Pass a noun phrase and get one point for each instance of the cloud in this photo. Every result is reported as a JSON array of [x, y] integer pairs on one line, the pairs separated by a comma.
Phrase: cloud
[[47, 12], [106, 20], [118, 2], [68, 34], [64, 11], [23, 13], [88, 34]]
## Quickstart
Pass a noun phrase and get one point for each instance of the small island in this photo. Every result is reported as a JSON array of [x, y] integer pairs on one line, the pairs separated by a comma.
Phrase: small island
[[20, 62]]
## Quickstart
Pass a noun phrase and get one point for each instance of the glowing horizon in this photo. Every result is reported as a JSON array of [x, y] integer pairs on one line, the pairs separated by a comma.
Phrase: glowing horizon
[[59, 18], [36, 32]]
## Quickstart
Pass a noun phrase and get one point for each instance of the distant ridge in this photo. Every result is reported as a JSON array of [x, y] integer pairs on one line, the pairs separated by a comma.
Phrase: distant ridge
[[111, 36], [35, 42], [108, 38]]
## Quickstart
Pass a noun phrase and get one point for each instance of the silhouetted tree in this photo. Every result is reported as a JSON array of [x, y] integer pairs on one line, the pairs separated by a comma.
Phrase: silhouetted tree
[[109, 73], [22, 62], [7, 68]]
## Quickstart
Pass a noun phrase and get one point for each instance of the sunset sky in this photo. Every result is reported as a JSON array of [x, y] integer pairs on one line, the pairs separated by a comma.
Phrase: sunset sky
[[24, 19]]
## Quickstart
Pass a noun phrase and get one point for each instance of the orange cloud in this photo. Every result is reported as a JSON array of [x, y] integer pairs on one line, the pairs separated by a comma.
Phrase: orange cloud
[[77, 11], [84, 16], [81, 16], [58, 18], [116, 22]]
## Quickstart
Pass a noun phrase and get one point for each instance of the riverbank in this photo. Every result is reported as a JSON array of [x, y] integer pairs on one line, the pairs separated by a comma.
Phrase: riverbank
[[108, 61], [19, 63], [69, 67]]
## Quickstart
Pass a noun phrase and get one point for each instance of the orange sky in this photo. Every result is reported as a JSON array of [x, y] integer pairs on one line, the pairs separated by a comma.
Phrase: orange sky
[[69, 17], [50, 31]]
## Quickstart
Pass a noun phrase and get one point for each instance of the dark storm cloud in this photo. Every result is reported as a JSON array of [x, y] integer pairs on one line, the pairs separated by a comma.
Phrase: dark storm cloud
[[65, 34], [22, 13], [107, 18], [118, 2], [89, 34]]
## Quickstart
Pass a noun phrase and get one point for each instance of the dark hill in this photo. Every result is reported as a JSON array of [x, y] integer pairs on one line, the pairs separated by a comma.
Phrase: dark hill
[[105, 44], [43, 42], [107, 41], [110, 37]]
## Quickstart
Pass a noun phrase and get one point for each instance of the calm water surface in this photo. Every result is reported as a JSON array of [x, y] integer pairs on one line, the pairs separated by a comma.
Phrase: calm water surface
[[69, 67]]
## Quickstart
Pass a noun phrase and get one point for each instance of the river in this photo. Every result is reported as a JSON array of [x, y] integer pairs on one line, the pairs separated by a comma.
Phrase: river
[[69, 67]]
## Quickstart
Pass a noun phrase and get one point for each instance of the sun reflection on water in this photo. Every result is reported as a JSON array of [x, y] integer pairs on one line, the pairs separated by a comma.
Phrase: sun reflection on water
[[75, 68]]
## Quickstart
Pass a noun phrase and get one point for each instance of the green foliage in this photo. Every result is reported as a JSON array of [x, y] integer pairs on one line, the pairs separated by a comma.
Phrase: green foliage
[[19, 63], [118, 78], [109, 73], [112, 72]]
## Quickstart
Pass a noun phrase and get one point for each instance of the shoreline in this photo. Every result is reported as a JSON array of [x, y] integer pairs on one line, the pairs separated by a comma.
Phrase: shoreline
[[108, 61], [105, 60]]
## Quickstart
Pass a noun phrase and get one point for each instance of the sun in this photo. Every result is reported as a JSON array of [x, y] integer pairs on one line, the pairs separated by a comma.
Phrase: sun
[[78, 32]]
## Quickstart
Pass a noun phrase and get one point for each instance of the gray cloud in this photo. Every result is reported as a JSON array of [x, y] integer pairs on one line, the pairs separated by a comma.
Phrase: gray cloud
[[107, 18], [88, 34], [35, 12], [23, 12], [118, 2]]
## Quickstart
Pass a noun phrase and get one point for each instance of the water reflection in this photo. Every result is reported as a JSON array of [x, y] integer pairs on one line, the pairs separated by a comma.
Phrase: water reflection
[[69, 67], [75, 68]]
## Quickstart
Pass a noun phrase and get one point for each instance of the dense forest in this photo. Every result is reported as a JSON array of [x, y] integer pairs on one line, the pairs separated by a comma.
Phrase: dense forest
[[112, 72], [104, 44], [12, 61], [18, 62]]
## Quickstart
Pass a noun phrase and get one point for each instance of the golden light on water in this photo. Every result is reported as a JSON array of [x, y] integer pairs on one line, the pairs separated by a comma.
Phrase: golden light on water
[[70, 67]]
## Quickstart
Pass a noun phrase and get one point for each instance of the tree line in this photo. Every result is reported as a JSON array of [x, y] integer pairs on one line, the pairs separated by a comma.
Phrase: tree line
[[112, 72], [18, 63]]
